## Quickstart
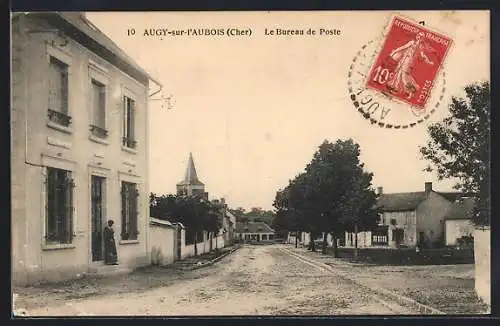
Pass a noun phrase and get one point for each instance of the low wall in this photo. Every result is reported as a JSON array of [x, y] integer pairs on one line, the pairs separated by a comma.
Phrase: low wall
[[389, 256], [162, 242], [187, 251], [482, 251]]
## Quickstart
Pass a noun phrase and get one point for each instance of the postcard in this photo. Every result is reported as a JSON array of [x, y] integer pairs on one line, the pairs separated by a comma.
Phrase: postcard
[[250, 163]]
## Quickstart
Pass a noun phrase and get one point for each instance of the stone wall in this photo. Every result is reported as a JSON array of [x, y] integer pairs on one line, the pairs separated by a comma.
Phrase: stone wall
[[482, 251]]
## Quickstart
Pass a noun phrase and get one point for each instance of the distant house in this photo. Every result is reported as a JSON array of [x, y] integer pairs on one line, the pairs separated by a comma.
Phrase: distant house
[[458, 221], [411, 218], [254, 232]]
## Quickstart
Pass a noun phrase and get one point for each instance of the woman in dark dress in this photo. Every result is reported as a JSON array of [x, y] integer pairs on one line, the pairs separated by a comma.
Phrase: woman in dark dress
[[110, 256]]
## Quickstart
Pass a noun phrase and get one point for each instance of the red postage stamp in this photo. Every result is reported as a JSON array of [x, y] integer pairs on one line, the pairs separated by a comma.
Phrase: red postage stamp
[[408, 62]]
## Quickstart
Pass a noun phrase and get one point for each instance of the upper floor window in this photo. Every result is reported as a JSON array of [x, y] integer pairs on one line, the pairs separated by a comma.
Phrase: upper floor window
[[59, 207], [98, 100], [128, 139], [58, 81]]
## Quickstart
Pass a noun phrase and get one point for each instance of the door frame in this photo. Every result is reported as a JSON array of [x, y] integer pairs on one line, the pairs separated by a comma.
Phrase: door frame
[[103, 173]]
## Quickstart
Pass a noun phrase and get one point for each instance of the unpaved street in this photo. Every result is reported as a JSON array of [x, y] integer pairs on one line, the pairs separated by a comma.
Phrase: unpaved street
[[255, 280]]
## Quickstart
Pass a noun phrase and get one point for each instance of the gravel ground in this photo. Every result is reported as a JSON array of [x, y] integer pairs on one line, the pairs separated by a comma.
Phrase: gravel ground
[[449, 288], [255, 280]]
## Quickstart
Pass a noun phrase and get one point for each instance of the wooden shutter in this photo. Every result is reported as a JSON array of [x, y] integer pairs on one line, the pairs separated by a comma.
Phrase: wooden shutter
[[124, 209], [68, 218], [133, 198], [102, 107], [131, 119]]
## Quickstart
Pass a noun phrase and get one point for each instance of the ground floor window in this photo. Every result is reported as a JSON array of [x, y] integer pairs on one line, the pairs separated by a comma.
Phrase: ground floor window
[[264, 237], [130, 196], [59, 207]]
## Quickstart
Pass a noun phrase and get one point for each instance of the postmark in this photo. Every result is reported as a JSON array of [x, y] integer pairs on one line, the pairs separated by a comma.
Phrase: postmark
[[398, 81]]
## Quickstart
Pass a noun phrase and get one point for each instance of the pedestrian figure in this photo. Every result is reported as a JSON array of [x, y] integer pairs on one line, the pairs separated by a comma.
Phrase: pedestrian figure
[[110, 256]]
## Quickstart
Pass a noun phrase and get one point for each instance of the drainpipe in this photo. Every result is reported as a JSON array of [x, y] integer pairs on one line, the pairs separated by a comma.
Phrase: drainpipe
[[147, 240]]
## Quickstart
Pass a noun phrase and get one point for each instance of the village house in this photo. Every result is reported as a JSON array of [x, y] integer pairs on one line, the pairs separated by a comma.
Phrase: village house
[[254, 232], [458, 221], [409, 219], [79, 149]]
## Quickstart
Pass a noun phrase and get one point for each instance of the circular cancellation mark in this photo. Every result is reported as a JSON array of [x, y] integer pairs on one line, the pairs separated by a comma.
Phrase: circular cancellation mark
[[399, 85]]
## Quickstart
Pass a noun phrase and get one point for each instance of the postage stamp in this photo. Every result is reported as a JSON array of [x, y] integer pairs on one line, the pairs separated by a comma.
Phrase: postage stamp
[[402, 83], [407, 64]]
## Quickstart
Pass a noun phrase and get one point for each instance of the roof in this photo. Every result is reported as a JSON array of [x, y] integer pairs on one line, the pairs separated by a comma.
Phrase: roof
[[253, 227], [403, 201], [461, 210], [190, 178], [79, 28], [157, 221], [408, 201]]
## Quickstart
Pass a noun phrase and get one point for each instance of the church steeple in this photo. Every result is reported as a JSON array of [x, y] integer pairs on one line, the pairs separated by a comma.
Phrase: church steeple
[[191, 178], [191, 185]]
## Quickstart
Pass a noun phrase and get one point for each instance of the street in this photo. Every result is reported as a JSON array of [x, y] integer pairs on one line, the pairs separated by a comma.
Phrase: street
[[255, 280]]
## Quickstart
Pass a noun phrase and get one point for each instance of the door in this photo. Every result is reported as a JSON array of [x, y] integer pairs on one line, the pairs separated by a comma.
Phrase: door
[[97, 217], [421, 239]]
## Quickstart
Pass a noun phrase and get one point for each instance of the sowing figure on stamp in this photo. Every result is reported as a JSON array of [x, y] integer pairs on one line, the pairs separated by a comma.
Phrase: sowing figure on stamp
[[110, 255], [405, 56]]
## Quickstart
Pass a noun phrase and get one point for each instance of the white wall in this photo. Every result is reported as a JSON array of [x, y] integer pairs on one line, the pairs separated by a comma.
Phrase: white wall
[[364, 239], [72, 148], [456, 229], [162, 238], [187, 251], [482, 251]]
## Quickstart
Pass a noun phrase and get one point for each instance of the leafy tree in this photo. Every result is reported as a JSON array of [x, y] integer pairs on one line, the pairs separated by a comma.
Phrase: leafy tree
[[459, 147], [339, 190]]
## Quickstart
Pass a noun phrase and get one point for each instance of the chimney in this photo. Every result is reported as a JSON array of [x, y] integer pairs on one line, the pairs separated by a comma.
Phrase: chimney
[[428, 187], [380, 190]]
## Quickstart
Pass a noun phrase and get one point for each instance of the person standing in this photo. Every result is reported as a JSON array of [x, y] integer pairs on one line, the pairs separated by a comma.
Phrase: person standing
[[110, 255]]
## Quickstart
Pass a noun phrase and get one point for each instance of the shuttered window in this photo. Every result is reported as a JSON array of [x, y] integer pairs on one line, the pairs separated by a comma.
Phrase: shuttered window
[[129, 200], [98, 109], [58, 83], [128, 122], [59, 207]]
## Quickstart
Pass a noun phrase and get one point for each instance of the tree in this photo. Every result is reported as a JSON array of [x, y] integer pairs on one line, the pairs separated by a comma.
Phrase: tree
[[459, 147], [339, 190]]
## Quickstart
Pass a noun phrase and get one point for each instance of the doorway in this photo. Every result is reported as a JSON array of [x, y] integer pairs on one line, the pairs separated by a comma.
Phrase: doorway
[[97, 217], [179, 242]]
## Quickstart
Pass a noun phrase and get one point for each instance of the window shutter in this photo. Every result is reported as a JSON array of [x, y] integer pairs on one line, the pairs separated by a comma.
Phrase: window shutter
[[64, 89], [133, 197], [125, 118], [68, 221], [124, 209], [102, 107], [131, 120]]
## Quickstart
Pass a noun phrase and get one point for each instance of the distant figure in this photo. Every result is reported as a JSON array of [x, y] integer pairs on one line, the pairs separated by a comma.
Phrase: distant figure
[[110, 256]]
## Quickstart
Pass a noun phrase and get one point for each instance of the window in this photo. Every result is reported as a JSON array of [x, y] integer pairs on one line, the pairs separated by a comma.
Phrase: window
[[59, 207], [130, 196], [128, 122], [58, 92], [98, 100]]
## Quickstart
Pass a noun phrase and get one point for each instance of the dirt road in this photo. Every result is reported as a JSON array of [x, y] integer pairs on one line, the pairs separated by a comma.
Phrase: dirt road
[[255, 280]]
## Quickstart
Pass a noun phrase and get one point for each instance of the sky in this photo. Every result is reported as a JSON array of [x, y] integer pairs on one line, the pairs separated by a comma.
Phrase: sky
[[253, 109]]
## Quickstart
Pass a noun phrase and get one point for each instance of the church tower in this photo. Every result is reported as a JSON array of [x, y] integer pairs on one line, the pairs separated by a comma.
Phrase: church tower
[[191, 185]]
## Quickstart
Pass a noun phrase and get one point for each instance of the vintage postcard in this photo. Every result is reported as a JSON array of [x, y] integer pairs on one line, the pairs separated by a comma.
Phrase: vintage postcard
[[260, 163]]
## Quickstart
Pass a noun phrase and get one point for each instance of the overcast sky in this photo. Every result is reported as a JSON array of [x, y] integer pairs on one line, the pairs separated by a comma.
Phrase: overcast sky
[[253, 109]]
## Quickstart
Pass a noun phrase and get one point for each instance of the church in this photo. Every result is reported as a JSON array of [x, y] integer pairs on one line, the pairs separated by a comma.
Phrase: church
[[191, 185]]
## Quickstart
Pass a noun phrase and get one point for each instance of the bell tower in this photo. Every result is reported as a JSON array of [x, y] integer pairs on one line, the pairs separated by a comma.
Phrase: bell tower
[[191, 185]]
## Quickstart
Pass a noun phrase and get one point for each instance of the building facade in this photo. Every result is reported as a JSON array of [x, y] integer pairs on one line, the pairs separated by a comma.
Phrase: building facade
[[254, 232], [79, 149], [410, 219]]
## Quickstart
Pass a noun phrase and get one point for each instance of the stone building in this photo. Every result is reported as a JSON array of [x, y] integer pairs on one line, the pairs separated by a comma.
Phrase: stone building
[[79, 148]]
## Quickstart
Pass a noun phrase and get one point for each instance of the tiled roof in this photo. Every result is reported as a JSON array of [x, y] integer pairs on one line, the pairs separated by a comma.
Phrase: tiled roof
[[461, 210], [404, 201], [408, 201], [452, 196], [253, 227]]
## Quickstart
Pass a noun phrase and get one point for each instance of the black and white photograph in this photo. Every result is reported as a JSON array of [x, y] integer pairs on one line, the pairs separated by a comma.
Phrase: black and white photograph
[[250, 163]]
